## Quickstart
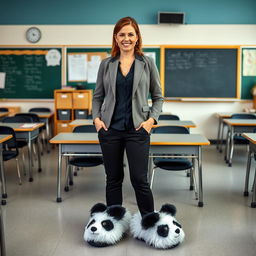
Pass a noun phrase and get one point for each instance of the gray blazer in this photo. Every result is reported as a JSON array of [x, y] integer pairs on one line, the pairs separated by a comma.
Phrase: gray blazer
[[146, 80]]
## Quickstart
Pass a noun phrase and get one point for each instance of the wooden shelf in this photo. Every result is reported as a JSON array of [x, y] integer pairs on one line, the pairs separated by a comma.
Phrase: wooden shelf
[[67, 102]]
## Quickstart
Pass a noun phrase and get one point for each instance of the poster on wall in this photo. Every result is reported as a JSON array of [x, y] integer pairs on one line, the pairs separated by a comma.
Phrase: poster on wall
[[77, 67], [249, 62]]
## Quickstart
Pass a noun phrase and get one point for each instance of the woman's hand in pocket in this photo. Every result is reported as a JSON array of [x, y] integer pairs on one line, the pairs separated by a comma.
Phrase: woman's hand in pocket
[[99, 124], [147, 125]]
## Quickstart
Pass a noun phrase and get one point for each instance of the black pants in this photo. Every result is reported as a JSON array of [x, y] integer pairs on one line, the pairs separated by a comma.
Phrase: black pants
[[136, 143]]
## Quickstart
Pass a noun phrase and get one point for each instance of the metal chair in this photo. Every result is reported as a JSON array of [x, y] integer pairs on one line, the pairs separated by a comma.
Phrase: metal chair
[[35, 119], [168, 117], [237, 137], [90, 160], [176, 163], [10, 150]]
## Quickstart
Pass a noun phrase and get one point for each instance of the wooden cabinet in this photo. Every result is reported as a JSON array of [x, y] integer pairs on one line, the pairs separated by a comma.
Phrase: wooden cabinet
[[70, 104]]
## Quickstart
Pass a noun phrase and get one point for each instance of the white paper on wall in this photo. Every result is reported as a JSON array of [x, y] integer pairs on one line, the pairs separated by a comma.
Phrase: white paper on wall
[[2, 80], [77, 67], [93, 67], [249, 62]]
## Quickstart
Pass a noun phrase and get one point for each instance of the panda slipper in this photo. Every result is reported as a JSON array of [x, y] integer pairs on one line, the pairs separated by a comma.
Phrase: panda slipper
[[107, 225], [158, 229]]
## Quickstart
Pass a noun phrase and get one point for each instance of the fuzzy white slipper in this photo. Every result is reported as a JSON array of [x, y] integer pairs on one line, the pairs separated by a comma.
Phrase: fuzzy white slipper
[[107, 225], [158, 229]]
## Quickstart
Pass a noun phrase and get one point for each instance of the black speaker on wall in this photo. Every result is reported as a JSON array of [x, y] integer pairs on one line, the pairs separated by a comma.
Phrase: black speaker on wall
[[171, 17]]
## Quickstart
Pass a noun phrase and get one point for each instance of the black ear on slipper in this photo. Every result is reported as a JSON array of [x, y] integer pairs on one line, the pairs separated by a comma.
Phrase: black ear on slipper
[[99, 207], [169, 209], [116, 211], [149, 220]]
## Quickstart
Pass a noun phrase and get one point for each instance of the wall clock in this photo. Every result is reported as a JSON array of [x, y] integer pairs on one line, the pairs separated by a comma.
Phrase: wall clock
[[33, 34]]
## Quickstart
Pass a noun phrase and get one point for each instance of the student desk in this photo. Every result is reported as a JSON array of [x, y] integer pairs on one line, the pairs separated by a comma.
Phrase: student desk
[[252, 139], [236, 126], [187, 144], [220, 135], [28, 132], [45, 117], [187, 124], [3, 138]]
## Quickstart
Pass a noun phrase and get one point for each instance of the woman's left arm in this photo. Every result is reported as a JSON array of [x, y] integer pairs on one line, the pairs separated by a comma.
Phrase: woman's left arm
[[155, 91], [156, 96]]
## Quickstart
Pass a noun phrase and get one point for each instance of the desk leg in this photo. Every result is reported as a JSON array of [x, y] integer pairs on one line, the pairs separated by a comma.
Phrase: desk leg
[[247, 176], [58, 200], [4, 194], [200, 177], [30, 157], [253, 204], [218, 136], [231, 148], [227, 146], [222, 135], [2, 236], [38, 155], [47, 135]]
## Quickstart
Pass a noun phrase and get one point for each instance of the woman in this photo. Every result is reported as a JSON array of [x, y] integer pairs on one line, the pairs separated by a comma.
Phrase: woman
[[122, 116]]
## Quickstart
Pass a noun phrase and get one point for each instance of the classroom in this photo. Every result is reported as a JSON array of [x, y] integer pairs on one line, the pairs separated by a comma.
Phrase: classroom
[[205, 53]]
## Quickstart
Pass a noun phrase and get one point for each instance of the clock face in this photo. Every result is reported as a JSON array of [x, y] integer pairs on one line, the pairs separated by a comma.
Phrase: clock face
[[33, 35]]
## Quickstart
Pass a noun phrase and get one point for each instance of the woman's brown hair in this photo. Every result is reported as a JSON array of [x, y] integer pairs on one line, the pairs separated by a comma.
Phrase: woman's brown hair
[[119, 25]]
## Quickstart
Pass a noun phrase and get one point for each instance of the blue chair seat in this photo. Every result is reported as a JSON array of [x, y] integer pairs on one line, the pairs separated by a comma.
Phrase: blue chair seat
[[86, 161], [173, 164], [9, 154], [21, 143], [240, 139]]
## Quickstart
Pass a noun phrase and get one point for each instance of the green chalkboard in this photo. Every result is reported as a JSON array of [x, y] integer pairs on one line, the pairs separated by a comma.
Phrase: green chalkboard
[[155, 51], [248, 80], [201, 72], [30, 73]]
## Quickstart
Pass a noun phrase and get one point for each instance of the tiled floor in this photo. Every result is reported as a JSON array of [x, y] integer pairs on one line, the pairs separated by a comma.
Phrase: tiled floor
[[36, 225]]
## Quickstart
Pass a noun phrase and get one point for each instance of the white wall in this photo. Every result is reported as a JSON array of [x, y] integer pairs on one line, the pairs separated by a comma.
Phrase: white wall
[[201, 113]]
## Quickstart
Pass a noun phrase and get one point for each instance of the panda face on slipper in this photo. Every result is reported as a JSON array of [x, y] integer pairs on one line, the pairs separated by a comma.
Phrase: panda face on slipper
[[158, 229], [107, 225]]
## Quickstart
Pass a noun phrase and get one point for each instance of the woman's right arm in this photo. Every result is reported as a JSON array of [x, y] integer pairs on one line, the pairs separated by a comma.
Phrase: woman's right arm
[[98, 98]]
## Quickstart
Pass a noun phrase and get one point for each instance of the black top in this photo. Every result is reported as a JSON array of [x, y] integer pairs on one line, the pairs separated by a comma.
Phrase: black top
[[122, 116]]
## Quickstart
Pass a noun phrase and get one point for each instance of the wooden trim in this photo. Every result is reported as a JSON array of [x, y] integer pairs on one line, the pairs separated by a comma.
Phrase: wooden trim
[[162, 69], [248, 138], [180, 143], [151, 143], [5, 138], [182, 125], [238, 124], [74, 141], [30, 129], [202, 46]]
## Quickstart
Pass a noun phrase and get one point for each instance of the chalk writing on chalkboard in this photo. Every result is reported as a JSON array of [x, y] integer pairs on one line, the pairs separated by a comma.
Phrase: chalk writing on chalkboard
[[28, 74], [200, 72]]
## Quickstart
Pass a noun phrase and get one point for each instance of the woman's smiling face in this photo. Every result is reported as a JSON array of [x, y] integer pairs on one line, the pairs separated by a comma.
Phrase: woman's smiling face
[[126, 38]]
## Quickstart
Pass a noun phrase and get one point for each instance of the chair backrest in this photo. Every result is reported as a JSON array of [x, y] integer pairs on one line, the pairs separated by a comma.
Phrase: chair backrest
[[243, 116], [4, 110], [171, 129], [11, 143], [17, 119], [39, 110], [85, 128], [168, 117], [34, 117]]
